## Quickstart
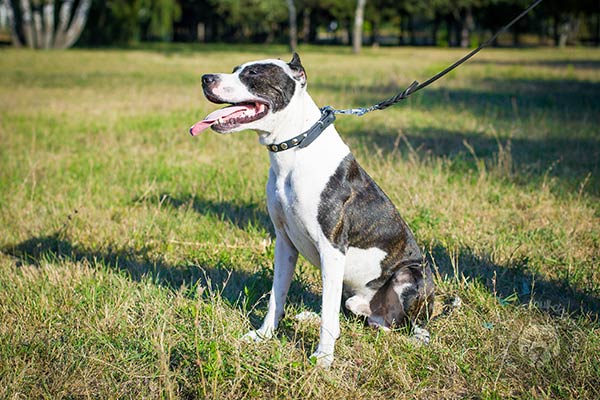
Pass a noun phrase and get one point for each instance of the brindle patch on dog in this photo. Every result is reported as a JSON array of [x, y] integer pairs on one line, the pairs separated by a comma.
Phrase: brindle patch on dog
[[355, 212]]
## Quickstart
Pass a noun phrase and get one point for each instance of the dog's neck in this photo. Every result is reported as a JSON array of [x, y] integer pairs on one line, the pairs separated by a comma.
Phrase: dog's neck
[[300, 115], [297, 117]]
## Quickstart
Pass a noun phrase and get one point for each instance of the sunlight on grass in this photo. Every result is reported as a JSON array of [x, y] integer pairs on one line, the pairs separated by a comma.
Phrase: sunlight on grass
[[133, 257]]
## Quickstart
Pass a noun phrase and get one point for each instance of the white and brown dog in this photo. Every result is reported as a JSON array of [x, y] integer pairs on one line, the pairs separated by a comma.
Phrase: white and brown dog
[[323, 205]]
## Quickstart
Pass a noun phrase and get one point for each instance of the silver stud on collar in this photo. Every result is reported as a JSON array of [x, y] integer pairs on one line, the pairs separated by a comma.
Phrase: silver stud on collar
[[306, 138]]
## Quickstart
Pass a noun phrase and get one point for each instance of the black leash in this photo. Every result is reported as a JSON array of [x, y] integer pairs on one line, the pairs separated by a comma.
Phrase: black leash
[[416, 86], [328, 112]]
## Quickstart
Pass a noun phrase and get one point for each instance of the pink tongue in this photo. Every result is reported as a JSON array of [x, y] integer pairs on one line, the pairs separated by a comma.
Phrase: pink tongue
[[214, 116]]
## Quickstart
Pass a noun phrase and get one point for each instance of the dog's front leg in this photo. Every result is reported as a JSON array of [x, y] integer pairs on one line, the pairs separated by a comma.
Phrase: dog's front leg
[[286, 256], [332, 274]]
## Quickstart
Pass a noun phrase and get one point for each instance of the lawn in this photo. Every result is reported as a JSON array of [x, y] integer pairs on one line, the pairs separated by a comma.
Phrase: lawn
[[133, 257]]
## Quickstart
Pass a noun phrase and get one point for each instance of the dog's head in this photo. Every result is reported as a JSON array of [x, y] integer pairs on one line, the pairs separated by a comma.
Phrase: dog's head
[[256, 91]]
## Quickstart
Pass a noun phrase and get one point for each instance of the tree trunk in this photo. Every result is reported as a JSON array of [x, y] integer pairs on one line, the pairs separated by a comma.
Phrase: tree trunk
[[78, 23], [293, 25], [449, 29], [556, 29], [567, 30], [63, 23], [37, 28], [403, 29], [306, 25], [434, 30], [271, 35], [14, 34], [598, 29], [359, 19], [48, 24], [574, 29], [345, 32], [411, 30], [597, 33], [542, 33], [375, 34], [27, 22], [467, 26]]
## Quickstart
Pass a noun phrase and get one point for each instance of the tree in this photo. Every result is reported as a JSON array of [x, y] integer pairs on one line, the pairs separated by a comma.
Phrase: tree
[[252, 20], [157, 17], [130, 21], [293, 25], [37, 26], [359, 19]]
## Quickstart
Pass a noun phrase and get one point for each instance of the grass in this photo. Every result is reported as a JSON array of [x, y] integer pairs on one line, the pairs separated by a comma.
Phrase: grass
[[133, 257]]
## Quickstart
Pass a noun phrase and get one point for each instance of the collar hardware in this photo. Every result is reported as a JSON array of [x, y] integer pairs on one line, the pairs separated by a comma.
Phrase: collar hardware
[[306, 138]]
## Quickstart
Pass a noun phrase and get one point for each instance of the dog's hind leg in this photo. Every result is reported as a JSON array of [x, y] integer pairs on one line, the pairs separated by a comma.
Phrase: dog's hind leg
[[404, 300], [286, 256]]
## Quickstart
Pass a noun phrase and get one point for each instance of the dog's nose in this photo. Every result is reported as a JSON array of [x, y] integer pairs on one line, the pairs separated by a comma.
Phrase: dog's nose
[[209, 79]]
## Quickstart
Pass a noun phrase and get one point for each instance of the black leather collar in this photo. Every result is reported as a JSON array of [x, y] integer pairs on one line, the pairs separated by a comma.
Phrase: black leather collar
[[306, 138]]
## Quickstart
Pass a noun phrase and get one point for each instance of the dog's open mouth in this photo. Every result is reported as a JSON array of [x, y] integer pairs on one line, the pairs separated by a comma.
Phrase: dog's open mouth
[[231, 117]]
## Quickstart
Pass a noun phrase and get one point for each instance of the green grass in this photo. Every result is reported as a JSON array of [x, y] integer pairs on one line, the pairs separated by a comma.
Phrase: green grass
[[133, 257]]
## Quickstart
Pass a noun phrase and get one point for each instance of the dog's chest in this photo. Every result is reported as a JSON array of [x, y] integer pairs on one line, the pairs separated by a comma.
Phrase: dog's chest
[[293, 198], [293, 206]]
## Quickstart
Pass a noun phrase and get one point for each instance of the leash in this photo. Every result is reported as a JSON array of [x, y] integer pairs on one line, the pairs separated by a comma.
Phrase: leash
[[328, 113], [416, 86]]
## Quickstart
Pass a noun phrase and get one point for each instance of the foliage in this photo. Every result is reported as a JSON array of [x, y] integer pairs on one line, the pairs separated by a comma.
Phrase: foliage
[[129, 21], [251, 17], [267, 20]]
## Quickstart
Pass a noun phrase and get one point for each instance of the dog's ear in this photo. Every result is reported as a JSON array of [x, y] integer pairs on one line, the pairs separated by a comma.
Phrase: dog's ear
[[297, 69]]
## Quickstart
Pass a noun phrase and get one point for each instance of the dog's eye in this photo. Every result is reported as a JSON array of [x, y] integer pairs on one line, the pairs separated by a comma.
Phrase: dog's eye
[[252, 72]]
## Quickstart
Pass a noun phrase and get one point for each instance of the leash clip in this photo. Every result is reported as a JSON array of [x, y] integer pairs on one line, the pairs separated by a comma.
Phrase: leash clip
[[359, 112]]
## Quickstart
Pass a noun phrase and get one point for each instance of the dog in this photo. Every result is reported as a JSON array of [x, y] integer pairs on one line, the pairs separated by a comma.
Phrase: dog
[[323, 205]]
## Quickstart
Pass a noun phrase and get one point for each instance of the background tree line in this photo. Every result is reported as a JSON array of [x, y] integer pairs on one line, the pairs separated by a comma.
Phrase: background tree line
[[393, 22], [59, 23]]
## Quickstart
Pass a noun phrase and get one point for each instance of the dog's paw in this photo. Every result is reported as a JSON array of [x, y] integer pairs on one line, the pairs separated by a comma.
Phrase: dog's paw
[[257, 336], [321, 359], [308, 316], [358, 305], [420, 335]]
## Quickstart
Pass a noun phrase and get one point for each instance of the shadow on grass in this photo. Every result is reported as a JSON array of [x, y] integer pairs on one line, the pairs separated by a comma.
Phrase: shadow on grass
[[574, 162], [567, 98], [243, 290], [560, 104], [514, 283], [240, 289], [576, 63], [242, 214]]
